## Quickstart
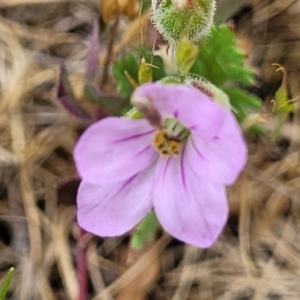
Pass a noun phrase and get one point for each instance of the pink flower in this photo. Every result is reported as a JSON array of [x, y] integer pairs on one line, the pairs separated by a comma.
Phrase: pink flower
[[179, 169]]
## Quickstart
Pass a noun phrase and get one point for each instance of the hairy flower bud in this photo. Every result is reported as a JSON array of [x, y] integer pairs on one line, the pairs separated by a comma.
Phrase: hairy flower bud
[[210, 90], [177, 19]]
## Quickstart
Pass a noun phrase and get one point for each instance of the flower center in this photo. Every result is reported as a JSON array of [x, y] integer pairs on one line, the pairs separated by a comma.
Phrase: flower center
[[169, 140], [166, 143]]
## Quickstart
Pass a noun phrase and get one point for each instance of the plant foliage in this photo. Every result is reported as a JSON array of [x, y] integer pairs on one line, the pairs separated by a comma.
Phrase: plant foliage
[[222, 63]]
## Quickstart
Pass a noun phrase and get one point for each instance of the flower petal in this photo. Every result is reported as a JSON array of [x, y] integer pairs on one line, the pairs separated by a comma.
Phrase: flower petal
[[114, 149], [222, 158], [191, 107], [111, 210], [189, 208]]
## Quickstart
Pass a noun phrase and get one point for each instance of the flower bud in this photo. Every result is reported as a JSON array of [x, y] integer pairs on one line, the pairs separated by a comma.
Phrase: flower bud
[[210, 90], [111, 9], [144, 72], [282, 103], [185, 55], [178, 19]]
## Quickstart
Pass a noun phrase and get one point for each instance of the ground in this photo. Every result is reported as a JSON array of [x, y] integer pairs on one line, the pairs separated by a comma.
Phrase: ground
[[256, 257]]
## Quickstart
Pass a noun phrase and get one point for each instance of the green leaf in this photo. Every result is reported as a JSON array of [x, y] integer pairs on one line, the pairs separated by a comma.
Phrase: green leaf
[[128, 64], [242, 101], [145, 232], [220, 62], [6, 283], [257, 130]]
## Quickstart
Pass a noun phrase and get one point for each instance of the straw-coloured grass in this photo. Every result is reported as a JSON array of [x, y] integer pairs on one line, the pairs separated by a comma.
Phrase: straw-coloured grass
[[257, 256]]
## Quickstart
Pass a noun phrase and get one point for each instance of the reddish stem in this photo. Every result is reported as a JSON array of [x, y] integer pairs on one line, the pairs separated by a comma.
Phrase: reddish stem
[[109, 53], [81, 262]]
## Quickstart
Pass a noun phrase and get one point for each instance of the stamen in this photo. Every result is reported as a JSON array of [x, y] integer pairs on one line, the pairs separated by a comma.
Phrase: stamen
[[166, 143], [169, 139]]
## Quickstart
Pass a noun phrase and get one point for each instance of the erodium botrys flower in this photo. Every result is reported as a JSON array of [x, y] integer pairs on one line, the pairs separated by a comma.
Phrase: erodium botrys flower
[[176, 162]]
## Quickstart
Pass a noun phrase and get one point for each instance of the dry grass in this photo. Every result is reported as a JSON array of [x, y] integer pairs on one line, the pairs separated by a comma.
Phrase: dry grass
[[257, 257]]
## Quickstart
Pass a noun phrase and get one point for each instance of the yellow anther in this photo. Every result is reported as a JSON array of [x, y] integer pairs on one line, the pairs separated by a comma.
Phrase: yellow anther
[[166, 143]]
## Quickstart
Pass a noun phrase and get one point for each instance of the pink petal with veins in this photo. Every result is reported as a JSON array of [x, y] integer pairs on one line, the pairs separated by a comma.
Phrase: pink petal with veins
[[188, 207], [114, 209], [114, 149]]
